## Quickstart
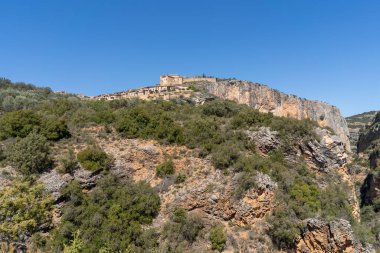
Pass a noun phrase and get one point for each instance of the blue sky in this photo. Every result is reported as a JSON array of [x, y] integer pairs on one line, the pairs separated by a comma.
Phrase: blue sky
[[326, 50]]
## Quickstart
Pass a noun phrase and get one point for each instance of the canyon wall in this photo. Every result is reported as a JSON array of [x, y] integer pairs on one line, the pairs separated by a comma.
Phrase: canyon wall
[[266, 99]]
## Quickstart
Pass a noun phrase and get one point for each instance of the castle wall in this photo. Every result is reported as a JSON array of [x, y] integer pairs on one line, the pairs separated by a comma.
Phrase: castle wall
[[166, 80], [199, 79]]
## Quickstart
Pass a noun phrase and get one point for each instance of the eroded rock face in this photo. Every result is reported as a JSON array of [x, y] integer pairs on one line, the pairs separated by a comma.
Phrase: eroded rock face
[[370, 188], [326, 154], [280, 104], [265, 139], [54, 182], [206, 190], [321, 237], [370, 136], [213, 195]]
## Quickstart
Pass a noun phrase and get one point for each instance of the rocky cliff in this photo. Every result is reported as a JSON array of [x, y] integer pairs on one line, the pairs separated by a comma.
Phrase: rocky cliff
[[335, 236], [266, 99], [369, 136], [356, 123]]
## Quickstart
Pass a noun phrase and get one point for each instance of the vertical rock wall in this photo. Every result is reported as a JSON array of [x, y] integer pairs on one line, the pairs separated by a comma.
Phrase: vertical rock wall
[[266, 99]]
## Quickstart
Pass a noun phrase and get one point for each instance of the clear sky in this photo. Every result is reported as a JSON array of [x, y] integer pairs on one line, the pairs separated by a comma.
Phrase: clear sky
[[326, 50]]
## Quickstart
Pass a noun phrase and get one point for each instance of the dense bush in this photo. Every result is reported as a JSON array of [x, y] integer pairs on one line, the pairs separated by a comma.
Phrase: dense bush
[[220, 108], [21, 123], [166, 168], [284, 228], [69, 162], [144, 123], [16, 96], [29, 155], [108, 217], [335, 202], [305, 198], [218, 238], [55, 129], [369, 227], [94, 158], [18, 123], [182, 230], [24, 208]]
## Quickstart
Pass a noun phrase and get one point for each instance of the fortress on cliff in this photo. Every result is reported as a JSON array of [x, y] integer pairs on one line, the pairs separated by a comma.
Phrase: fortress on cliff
[[171, 86]]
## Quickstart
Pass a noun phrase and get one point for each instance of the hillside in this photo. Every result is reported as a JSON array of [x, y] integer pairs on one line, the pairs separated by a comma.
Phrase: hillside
[[189, 174]]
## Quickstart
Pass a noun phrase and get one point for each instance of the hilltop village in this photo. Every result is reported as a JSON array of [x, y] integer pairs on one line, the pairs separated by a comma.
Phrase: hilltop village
[[170, 86]]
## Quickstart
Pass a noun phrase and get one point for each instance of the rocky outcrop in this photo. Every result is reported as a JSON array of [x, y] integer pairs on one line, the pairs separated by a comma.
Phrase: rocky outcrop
[[321, 237], [370, 188], [356, 123], [370, 136], [265, 139], [327, 154], [280, 104]]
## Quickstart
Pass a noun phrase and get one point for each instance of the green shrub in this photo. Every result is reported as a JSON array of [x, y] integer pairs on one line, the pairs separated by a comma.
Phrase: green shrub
[[144, 122], [18, 123], [335, 202], [246, 181], [69, 162], [166, 168], [182, 229], [24, 207], [29, 155], [247, 117], [55, 129], [218, 238], [94, 158], [202, 132], [108, 217], [284, 229], [180, 178], [225, 155], [305, 197], [220, 108]]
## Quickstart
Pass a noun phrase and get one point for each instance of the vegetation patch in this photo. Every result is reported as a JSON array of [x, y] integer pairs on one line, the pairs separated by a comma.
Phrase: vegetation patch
[[94, 158], [29, 155], [107, 218]]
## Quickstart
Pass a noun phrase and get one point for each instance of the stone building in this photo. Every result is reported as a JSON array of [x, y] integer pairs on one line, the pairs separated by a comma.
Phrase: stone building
[[167, 80]]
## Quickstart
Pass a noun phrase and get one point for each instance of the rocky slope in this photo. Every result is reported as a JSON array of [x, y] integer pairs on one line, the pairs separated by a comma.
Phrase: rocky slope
[[293, 164], [356, 123], [266, 99], [370, 135], [208, 192], [336, 236]]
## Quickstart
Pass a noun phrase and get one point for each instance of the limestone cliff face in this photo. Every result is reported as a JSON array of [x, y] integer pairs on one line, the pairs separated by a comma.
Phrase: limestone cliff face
[[266, 99], [335, 236]]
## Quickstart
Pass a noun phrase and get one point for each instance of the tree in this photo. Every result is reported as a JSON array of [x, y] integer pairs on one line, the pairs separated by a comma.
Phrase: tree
[[29, 155]]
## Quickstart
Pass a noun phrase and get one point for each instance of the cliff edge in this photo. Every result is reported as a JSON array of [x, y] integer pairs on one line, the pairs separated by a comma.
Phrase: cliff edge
[[266, 99]]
